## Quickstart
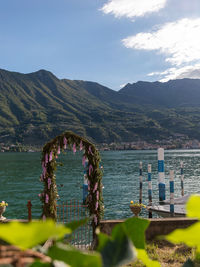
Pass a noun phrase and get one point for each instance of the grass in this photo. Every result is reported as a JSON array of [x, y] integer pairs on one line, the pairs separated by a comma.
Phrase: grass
[[167, 254]]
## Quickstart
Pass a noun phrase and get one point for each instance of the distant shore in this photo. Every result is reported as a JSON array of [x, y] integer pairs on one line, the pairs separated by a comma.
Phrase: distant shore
[[138, 145]]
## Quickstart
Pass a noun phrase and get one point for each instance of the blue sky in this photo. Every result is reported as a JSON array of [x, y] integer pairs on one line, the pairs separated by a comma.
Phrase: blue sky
[[112, 42]]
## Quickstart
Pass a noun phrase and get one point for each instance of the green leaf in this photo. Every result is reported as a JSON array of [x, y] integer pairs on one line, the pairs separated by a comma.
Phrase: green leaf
[[76, 224], [192, 206], [189, 236], [112, 247], [40, 264], [188, 263], [28, 235], [135, 229], [102, 240], [197, 257], [74, 257], [143, 256], [116, 250]]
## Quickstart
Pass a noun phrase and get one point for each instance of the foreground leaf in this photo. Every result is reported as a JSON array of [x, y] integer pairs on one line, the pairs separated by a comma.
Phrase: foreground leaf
[[76, 224], [116, 250], [74, 257], [189, 236], [112, 247], [188, 263], [40, 264], [143, 256], [135, 229], [28, 235], [192, 206]]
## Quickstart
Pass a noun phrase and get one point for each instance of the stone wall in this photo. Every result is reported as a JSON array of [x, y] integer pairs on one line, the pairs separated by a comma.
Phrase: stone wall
[[161, 226]]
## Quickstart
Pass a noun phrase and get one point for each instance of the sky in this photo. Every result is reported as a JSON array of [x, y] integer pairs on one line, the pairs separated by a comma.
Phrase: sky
[[112, 42]]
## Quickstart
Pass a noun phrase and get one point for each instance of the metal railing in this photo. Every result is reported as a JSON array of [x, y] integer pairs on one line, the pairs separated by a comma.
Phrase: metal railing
[[74, 210]]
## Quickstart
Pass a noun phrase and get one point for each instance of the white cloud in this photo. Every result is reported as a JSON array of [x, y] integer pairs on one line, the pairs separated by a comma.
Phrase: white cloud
[[190, 71], [132, 8], [178, 40]]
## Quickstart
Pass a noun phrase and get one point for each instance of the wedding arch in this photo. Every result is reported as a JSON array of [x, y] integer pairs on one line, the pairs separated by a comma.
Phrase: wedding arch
[[50, 153]]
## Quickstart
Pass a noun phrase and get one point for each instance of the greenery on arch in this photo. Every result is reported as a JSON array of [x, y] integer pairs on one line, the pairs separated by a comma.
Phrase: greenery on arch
[[50, 153]]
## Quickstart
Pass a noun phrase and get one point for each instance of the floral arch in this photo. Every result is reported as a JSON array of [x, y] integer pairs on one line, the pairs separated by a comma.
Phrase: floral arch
[[50, 153]]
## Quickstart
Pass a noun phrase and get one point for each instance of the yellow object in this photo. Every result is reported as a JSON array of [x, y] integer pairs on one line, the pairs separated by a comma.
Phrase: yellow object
[[3, 204], [132, 204]]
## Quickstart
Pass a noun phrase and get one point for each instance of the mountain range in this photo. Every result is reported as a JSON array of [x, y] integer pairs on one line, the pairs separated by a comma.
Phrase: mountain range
[[36, 107]]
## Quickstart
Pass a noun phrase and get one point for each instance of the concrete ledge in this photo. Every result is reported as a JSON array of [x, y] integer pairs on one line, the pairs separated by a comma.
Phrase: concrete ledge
[[161, 226]]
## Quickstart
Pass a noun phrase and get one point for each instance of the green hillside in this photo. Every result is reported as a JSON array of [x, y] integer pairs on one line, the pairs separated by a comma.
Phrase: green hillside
[[37, 106]]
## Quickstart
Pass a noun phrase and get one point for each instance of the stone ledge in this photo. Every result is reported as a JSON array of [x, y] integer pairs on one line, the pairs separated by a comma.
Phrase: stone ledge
[[161, 226]]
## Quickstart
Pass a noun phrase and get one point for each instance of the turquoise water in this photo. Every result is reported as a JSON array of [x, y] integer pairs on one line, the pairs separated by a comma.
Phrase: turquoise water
[[20, 172]]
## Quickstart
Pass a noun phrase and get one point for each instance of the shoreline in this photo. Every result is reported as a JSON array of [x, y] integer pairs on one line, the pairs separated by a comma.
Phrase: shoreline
[[108, 150]]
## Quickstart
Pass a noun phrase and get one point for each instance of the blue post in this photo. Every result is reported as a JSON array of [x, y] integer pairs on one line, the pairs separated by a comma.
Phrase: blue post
[[171, 186], [182, 179], [149, 188], [140, 174], [85, 183], [161, 175]]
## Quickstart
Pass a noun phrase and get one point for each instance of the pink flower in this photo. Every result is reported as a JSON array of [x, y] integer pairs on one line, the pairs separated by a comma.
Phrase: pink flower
[[95, 187], [47, 199], [65, 142], [51, 156], [74, 148], [95, 219], [58, 152], [44, 218], [81, 145], [49, 183], [41, 178], [83, 160], [43, 164], [96, 206], [90, 169], [88, 185], [90, 150], [46, 158], [44, 172], [39, 195], [97, 195]]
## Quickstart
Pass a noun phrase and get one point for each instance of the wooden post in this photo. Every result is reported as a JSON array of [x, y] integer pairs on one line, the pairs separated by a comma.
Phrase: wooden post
[[29, 205], [140, 173], [149, 188], [171, 185], [182, 179]]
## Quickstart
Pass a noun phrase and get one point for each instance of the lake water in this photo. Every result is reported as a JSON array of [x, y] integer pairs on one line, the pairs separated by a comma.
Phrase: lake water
[[20, 172]]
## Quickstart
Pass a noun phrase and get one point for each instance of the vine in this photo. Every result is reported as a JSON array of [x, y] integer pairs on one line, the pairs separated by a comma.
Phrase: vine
[[50, 153]]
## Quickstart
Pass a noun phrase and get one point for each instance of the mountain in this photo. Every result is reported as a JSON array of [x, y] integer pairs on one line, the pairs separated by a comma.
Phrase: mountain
[[38, 106], [174, 93], [174, 105]]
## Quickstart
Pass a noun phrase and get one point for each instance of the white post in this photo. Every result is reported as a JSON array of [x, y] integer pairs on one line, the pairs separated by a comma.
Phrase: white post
[[161, 174]]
